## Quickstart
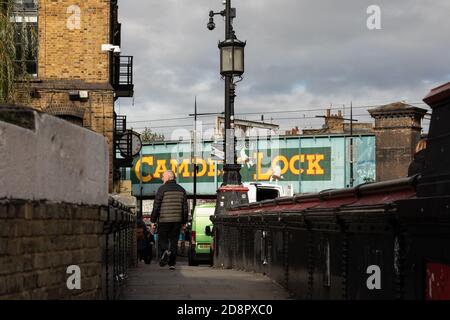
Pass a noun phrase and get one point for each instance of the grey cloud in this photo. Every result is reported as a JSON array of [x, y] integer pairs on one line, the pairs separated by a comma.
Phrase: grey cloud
[[299, 53]]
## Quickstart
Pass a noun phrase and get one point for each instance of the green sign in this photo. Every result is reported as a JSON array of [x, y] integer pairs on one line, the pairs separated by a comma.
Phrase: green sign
[[308, 164], [312, 164]]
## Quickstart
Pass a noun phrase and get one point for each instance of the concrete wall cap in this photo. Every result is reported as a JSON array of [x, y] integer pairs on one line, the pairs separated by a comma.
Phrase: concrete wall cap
[[47, 158]]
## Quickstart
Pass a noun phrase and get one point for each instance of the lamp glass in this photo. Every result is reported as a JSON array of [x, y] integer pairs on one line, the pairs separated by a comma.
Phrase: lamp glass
[[238, 67], [227, 60], [231, 58]]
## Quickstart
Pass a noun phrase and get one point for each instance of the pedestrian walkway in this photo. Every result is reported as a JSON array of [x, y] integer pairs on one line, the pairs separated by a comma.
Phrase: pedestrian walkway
[[151, 282]]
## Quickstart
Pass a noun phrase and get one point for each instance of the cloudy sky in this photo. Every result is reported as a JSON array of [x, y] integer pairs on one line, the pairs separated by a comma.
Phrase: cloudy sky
[[302, 56]]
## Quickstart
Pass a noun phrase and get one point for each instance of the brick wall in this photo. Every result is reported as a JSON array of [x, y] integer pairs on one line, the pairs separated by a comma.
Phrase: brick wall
[[70, 58], [397, 130], [68, 219], [72, 53], [39, 240]]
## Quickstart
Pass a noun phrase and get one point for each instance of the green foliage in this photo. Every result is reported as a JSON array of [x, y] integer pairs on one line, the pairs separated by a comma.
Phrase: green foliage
[[148, 136]]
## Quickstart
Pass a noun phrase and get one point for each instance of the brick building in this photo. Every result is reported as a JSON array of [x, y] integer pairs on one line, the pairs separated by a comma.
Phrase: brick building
[[77, 70], [398, 128]]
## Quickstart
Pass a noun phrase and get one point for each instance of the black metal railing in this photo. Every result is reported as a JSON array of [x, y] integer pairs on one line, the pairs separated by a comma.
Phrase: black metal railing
[[120, 124], [126, 70], [119, 251], [115, 25], [122, 144], [321, 247], [122, 76]]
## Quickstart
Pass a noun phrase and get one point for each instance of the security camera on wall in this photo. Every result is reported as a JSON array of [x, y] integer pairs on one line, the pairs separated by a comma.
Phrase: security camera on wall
[[110, 47]]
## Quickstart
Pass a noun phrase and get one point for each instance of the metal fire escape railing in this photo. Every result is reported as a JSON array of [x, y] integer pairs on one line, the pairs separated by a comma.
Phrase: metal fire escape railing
[[120, 124], [123, 76], [126, 70], [122, 141]]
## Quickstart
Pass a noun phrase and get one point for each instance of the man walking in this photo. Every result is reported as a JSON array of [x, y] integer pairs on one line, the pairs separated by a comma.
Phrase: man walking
[[170, 211]]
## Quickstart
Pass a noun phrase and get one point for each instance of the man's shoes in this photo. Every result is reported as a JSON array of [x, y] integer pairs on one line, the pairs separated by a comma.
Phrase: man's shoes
[[172, 267], [164, 258]]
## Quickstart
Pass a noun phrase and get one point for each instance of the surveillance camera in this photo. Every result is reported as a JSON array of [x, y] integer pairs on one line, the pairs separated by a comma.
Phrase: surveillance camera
[[110, 47], [107, 47], [211, 25]]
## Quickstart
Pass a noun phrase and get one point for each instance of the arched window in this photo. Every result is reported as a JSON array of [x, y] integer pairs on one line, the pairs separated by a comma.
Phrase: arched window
[[70, 113]]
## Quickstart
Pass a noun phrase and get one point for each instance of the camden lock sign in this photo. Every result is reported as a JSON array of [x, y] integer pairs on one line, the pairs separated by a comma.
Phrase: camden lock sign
[[313, 164], [320, 165]]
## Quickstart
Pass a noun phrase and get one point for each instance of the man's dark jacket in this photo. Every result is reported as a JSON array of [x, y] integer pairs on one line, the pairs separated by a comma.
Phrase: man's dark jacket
[[170, 204]]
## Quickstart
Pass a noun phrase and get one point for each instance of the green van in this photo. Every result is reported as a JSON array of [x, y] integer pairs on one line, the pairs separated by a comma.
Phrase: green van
[[200, 250]]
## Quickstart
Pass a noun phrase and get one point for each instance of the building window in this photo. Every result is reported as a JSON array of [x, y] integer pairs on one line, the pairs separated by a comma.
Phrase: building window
[[25, 19]]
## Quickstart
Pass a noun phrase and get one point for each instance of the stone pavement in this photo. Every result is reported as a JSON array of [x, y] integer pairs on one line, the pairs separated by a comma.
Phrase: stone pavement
[[151, 282]]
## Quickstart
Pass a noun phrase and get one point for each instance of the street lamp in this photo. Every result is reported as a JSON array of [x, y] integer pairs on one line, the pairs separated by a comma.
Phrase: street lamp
[[232, 57], [231, 192]]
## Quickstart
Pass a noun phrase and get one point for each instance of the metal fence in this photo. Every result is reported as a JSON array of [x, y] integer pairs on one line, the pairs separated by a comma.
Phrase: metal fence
[[119, 251], [326, 245]]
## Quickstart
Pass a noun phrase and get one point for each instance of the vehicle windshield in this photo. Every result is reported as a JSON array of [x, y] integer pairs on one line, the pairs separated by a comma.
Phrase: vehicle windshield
[[266, 194]]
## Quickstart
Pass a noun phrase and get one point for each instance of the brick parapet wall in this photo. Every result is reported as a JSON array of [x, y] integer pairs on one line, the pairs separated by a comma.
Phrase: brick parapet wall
[[39, 240]]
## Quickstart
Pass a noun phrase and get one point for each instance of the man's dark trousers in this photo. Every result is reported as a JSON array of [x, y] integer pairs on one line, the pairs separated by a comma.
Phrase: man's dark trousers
[[169, 231]]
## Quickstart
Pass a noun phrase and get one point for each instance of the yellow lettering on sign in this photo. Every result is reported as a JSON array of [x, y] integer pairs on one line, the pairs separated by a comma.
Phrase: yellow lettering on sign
[[300, 158], [174, 165], [259, 174], [137, 169], [160, 168], [184, 168], [313, 164], [202, 172], [212, 168], [285, 162]]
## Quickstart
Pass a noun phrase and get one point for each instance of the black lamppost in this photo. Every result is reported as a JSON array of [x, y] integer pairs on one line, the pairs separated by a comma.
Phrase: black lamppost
[[231, 191]]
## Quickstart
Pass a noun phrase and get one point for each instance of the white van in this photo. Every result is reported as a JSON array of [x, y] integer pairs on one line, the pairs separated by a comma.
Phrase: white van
[[259, 191]]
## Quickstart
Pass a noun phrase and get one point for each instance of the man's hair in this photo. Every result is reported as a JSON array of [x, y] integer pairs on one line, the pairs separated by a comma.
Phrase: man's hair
[[170, 174]]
